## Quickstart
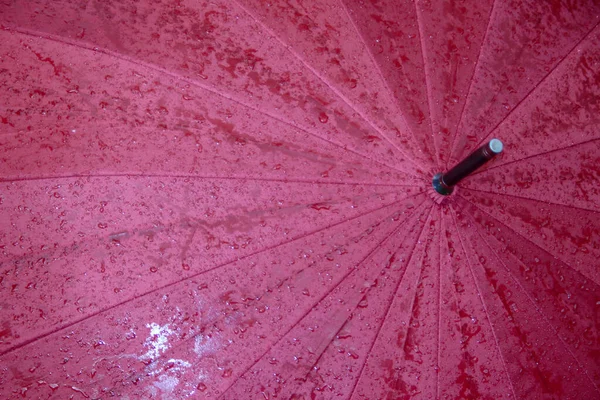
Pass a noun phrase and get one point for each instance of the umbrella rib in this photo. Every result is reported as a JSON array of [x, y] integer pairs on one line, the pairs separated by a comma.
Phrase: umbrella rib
[[171, 284], [203, 87], [345, 163], [183, 221], [377, 68], [413, 300], [312, 157], [535, 155], [427, 78], [193, 176], [483, 303], [439, 301], [541, 82], [331, 86], [387, 313], [526, 238], [350, 272], [131, 376], [87, 112], [538, 309], [367, 291], [475, 69], [319, 300], [530, 198]]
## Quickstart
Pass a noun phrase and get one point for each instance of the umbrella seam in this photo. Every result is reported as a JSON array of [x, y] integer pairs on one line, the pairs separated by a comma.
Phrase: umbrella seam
[[483, 303], [443, 228], [424, 253], [475, 69], [527, 239], [68, 325], [389, 307], [531, 199], [331, 86], [203, 87], [542, 81], [534, 303], [427, 80], [497, 165], [318, 159], [379, 72], [45, 254], [354, 269], [394, 232], [214, 177]]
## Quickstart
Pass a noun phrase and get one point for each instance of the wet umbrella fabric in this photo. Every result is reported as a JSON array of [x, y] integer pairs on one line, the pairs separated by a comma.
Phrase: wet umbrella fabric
[[232, 199]]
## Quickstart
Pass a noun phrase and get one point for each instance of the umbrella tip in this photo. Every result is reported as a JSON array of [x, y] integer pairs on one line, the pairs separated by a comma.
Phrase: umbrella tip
[[496, 146]]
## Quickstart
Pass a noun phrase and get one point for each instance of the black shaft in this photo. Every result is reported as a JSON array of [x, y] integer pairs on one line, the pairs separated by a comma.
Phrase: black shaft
[[444, 183], [467, 166]]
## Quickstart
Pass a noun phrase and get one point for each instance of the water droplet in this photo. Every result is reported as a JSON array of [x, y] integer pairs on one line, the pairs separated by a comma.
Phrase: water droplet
[[323, 118], [201, 387], [102, 225], [343, 334], [153, 269], [227, 373]]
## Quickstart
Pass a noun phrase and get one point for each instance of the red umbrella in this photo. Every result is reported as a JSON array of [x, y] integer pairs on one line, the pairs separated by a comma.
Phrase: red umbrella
[[235, 200]]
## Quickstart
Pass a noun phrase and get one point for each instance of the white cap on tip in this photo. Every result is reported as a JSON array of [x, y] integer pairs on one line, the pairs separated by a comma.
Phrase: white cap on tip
[[496, 146]]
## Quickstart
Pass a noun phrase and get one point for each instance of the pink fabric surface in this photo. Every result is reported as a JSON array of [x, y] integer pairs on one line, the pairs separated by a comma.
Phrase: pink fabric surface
[[232, 199]]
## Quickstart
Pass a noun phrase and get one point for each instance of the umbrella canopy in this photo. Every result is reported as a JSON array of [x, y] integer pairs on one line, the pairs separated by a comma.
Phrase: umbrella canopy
[[233, 199]]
